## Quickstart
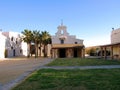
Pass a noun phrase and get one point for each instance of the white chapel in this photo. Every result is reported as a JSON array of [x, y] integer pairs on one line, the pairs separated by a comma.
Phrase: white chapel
[[66, 45]]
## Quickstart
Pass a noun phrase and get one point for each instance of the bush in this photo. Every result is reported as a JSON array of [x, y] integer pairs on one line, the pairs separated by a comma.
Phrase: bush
[[6, 53]]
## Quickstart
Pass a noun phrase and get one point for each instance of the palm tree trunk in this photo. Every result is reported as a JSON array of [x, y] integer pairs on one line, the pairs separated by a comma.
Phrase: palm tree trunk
[[28, 50], [44, 51], [40, 49], [36, 50]]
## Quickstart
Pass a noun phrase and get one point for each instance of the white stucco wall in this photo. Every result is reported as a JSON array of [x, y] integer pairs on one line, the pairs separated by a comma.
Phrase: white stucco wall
[[68, 40], [2, 45], [115, 36], [24, 48]]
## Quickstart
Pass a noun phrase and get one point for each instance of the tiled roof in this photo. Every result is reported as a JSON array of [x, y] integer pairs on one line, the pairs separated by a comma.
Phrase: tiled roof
[[66, 45], [113, 44]]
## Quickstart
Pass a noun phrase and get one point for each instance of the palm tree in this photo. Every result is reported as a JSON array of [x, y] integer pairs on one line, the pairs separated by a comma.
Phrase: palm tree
[[37, 40], [46, 39], [27, 37]]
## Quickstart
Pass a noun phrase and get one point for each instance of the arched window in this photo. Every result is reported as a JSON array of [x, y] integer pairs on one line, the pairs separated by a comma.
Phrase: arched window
[[11, 38], [20, 50], [76, 42], [62, 41], [16, 41]]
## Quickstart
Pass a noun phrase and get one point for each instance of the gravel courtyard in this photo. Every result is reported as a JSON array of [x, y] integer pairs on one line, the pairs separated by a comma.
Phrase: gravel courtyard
[[12, 68]]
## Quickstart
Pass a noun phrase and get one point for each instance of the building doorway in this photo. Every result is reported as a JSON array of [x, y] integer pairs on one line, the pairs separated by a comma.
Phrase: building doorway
[[32, 50], [62, 53], [75, 52], [14, 52]]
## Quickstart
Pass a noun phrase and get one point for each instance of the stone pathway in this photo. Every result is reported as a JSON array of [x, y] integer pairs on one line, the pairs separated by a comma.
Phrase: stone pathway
[[81, 67]]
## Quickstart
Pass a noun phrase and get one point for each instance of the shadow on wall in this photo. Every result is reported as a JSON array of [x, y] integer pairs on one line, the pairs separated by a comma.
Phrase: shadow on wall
[[13, 53]]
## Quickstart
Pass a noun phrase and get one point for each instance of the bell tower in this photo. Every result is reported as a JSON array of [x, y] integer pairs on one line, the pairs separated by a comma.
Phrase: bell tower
[[62, 30]]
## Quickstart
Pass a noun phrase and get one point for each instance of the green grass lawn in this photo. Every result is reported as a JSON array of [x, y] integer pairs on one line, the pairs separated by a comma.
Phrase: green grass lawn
[[50, 79], [82, 62]]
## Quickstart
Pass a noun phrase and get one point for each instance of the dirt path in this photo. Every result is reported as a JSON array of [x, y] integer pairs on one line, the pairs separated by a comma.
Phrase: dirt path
[[14, 68]]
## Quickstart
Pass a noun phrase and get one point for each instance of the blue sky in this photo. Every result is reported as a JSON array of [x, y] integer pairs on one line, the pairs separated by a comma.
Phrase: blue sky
[[91, 20]]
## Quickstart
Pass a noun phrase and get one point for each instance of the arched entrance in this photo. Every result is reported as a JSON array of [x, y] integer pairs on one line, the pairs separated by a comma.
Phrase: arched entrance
[[14, 52], [75, 52], [62, 53]]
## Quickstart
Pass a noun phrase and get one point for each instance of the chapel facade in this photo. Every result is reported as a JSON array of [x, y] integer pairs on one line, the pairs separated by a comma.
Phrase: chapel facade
[[65, 45]]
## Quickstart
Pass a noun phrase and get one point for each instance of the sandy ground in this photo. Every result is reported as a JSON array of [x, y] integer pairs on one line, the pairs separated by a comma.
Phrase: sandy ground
[[12, 68]]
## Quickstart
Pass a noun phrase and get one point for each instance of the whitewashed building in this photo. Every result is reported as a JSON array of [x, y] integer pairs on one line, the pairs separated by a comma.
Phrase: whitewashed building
[[66, 45], [12, 45], [2, 45], [114, 47]]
